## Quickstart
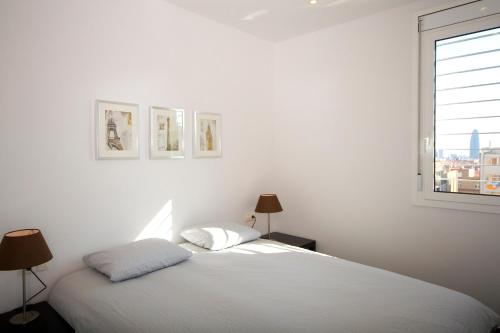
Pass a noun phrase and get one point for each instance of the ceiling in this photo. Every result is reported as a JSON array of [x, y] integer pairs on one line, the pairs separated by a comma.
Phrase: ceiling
[[277, 20]]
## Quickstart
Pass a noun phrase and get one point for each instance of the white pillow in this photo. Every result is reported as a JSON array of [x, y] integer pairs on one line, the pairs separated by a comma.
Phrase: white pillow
[[218, 236], [136, 258]]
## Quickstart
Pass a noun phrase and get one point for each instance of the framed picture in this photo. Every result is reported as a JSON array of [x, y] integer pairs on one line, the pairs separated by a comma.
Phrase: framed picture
[[117, 130], [207, 140], [167, 132]]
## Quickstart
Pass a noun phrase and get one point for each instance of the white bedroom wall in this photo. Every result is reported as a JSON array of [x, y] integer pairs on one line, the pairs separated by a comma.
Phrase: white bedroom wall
[[56, 58], [342, 159]]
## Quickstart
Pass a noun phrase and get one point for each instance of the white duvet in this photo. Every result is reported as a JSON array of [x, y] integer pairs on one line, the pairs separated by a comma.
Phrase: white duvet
[[265, 286]]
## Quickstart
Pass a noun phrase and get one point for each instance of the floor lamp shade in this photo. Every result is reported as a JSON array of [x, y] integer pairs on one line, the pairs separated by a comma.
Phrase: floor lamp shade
[[23, 249], [268, 203]]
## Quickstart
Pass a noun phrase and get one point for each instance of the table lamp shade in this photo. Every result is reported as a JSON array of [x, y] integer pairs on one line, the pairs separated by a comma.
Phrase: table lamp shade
[[268, 203], [22, 249]]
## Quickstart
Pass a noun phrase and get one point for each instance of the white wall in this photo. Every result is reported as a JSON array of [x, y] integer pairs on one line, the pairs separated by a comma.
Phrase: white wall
[[342, 159], [57, 57]]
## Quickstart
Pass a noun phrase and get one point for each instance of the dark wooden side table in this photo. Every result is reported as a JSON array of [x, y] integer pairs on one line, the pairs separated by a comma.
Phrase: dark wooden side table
[[304, 243], [49, 321]]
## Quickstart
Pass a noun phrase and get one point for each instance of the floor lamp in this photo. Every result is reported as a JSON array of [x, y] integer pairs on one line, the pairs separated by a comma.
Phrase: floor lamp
[[24, 249]]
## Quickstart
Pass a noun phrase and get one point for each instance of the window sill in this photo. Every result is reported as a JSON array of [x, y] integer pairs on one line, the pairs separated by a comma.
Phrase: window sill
[[420, 200]]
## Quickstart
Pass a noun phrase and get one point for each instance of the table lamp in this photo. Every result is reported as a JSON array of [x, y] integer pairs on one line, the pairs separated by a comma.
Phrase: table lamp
[[24, 249], [268, 203]]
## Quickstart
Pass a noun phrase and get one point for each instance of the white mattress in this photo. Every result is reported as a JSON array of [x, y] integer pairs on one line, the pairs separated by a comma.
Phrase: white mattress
[[265, 286]]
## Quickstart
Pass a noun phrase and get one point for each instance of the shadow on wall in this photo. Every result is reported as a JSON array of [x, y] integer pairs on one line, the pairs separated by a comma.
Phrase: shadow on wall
[[160, 225]]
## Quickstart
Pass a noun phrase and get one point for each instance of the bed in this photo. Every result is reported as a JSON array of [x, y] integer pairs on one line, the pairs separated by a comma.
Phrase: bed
[[265, 286]]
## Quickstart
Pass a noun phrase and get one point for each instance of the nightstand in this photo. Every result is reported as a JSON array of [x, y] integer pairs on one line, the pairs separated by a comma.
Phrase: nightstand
[[49, 321], [304, 243]]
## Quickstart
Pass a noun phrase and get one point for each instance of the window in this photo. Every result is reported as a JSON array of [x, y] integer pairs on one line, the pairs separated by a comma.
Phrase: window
[[459, 96], [467, 114]]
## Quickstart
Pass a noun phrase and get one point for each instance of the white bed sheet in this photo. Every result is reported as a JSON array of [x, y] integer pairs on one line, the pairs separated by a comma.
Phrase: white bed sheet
[[266, 286]]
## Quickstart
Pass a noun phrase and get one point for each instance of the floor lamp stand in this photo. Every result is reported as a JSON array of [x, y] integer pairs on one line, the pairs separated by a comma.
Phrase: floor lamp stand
[[27, 316]]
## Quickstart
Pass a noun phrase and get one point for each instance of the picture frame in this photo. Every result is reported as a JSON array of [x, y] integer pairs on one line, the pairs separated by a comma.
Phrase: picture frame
[[167, 132], [207, 135], [117, 130]]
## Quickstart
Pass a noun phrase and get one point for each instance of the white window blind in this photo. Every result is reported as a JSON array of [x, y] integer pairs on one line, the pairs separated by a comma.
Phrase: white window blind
[[467, 113]]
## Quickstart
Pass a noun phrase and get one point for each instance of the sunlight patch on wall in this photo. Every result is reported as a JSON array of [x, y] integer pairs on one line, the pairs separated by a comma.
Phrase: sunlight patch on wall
[[335, 3], [255, 15], [160, 225]]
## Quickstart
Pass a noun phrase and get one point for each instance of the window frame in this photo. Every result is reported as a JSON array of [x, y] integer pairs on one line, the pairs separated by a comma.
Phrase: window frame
[[424, 122]]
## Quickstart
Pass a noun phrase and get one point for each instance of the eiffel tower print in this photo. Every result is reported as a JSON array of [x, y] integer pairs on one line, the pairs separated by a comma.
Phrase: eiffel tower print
[[114, 142]]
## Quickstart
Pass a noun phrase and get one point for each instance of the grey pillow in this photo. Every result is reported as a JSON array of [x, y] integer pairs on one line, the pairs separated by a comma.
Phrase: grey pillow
[[137, 258]]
